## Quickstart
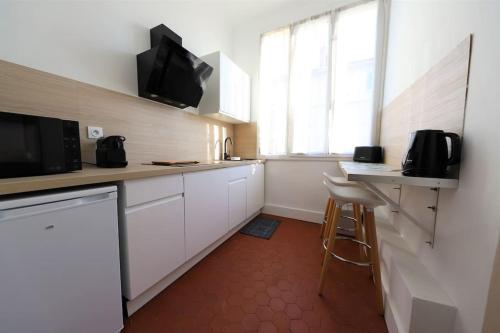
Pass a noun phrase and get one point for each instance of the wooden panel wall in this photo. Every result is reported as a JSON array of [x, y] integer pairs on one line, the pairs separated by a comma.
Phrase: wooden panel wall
[[154, 131], [435, 101], [245, 140]]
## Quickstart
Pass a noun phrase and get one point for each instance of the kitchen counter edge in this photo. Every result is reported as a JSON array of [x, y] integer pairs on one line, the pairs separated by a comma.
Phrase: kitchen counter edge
[[93, 175]]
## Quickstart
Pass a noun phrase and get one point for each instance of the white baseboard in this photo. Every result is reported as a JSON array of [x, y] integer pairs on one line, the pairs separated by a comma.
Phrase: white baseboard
[[294, 213], [141, 300]]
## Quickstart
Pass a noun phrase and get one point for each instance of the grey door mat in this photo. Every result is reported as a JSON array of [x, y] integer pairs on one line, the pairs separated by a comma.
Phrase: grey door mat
[[260, 227]]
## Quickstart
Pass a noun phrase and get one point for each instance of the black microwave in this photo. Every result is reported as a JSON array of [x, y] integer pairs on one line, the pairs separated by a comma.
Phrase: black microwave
[[33, 145]]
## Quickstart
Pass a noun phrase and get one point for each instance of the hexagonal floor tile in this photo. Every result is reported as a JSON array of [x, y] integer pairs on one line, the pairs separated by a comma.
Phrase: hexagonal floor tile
[[253, 285]]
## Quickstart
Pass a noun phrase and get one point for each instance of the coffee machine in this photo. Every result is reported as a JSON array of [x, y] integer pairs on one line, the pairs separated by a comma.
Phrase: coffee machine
[[110, 152]]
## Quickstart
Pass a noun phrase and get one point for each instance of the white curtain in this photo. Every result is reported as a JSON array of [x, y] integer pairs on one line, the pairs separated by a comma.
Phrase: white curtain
[[316, 81], [353, 72], [273, 92], [309, 88]]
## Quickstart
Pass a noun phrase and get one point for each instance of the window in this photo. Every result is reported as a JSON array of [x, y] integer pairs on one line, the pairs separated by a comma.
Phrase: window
[[316, 84]]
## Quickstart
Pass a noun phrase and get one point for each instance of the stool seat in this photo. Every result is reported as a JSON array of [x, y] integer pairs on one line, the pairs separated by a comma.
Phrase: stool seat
[[340, 181], [347, 194]]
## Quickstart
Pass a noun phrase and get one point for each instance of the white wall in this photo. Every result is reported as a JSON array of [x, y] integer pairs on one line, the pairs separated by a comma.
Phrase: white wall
[[294, 188], [97, 42], [422, 32]]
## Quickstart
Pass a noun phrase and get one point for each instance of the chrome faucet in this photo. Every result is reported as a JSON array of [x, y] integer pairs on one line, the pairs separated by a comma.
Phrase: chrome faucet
[[226, 155]]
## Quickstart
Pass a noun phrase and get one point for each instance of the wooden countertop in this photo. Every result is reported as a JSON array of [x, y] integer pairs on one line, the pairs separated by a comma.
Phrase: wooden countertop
[[93, 175]]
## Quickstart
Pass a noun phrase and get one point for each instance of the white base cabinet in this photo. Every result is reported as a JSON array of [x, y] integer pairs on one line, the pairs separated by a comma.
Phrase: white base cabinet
[[167, 221], [237, 201], [206, 203], [155, 242], [255, 188], [152, 232]]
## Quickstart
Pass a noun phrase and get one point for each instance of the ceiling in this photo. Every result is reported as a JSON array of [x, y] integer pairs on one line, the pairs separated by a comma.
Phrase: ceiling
[[236, 12]]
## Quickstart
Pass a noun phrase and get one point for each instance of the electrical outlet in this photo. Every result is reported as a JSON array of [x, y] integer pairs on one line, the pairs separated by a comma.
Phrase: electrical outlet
[[94, 132]]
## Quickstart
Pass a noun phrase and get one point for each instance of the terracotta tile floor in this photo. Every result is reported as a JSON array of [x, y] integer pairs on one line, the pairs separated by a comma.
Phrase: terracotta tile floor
[[252, 284]]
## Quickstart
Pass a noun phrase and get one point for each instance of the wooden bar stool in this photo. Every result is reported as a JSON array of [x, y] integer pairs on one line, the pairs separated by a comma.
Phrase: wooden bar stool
[[329, 209], [342, 196]]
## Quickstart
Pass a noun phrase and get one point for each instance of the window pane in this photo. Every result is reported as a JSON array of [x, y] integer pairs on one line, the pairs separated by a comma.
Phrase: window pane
[[354, 52], [273, 92], [308, 96]]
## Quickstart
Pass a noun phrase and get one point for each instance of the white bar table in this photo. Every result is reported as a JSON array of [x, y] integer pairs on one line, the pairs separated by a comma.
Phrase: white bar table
[[370, 173]]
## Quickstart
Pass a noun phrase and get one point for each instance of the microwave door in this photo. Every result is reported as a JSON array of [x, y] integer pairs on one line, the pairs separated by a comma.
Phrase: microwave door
[[20, 153], [52, 145]]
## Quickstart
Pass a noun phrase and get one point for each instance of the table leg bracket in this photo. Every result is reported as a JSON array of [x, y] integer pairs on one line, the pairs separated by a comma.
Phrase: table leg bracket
[[434, 209], [396, 208]]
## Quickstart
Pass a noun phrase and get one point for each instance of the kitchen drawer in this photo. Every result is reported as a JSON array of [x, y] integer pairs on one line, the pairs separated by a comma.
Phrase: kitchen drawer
[[149, 189], [152, 243], [238, 172]]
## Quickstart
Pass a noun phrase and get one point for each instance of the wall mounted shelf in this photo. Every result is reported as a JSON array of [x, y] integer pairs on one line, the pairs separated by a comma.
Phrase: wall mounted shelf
[[370, 173]]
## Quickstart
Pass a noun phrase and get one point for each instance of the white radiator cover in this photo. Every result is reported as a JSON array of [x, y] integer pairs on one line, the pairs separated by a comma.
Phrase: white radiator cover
[[414, 301]]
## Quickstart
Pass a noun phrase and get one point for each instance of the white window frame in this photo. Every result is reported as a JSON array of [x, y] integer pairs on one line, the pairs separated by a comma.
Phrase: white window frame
[[383, 17]]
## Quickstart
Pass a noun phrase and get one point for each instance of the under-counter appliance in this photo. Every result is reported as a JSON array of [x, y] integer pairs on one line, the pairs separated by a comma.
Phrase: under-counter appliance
[[170, 74], [428, 154], [34, 145], [110, 152], [59, 262]]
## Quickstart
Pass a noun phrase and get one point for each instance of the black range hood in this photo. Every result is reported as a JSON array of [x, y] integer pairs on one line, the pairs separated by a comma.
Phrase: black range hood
[[170, 74]]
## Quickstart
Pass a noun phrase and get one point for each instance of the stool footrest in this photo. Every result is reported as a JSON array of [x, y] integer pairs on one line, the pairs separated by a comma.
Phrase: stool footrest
[[349, 218], [352, 219], [346, 229], [336, 256]]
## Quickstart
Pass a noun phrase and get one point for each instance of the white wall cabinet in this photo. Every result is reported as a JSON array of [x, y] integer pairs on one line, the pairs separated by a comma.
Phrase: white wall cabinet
[[206, 204], [255, 189], [152, 232], [227, 95]]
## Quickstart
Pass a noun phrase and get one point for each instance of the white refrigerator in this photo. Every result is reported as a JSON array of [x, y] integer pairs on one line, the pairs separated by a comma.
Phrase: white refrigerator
[[59, 262]]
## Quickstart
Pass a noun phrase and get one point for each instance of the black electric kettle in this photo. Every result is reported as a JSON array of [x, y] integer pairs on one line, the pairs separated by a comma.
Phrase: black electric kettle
[[110, 152], [428, 155]]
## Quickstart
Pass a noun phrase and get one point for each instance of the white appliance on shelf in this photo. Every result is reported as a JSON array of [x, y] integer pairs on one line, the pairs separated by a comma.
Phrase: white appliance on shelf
[[227, 95], [59, 262]]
